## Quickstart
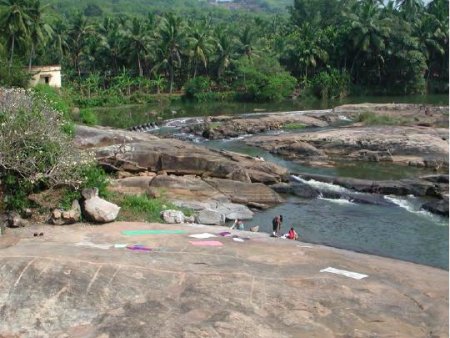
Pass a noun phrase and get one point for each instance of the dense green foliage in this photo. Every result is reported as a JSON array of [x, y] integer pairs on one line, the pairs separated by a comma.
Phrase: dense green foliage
[[330, 47]]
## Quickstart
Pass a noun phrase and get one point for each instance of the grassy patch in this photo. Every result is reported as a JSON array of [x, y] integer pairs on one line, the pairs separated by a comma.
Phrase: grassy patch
[[294, 125], [87, 116], [370, 118], [143, 208]]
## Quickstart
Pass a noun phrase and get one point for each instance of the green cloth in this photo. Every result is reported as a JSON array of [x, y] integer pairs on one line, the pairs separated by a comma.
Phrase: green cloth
[[152, 232]]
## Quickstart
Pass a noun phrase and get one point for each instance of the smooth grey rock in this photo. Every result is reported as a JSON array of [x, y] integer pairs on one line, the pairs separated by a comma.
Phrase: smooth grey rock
[[99, 210], [233, 211], [210, 217], [173, 216]]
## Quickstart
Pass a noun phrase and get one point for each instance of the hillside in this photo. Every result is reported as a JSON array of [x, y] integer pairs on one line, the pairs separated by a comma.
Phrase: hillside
[[139, 7]]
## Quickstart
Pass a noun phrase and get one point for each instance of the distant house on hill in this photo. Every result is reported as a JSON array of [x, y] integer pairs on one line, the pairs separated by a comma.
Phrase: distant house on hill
[[50, 75]]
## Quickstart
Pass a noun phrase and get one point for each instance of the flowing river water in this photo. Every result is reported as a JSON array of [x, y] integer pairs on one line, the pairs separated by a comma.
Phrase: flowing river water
[[402, 230]]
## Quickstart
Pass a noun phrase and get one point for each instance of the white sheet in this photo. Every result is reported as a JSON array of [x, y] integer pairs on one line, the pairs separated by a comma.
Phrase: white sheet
[[203, 235], [346, 273]]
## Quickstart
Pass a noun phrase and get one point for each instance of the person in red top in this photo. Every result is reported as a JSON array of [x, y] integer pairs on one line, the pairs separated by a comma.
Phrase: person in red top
[[292, 234]]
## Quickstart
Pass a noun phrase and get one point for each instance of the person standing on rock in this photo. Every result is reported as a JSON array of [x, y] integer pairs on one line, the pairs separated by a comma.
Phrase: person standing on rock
[[276, 225]]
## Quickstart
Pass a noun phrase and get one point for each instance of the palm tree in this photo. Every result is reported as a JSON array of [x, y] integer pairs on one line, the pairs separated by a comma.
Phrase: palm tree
[[247, 39], [410, 8], [58, 42], [225, 50], [171, 36], [304, 49], [40, 31], [78, 33], [200, 45], [136, 42], [14, 21], [369, 30], [111, 35]]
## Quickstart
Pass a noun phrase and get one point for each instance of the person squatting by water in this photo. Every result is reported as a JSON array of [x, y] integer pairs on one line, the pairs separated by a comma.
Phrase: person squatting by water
[[292, 234], [276, 225], [238, 225]]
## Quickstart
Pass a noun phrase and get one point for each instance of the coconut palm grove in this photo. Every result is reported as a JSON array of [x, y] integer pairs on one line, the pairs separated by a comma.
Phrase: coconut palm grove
[[252, 51]]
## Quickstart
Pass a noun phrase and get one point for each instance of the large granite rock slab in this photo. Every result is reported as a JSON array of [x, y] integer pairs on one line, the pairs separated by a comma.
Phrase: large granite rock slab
[[134, 185], [416, 146], [233, 126], [264, 288], [138, 152]]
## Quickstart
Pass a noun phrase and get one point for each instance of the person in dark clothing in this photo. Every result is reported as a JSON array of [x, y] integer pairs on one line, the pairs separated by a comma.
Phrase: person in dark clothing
[[276, 225]]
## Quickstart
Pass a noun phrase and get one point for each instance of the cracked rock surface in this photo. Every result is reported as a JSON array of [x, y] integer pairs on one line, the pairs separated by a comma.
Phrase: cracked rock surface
[[73, 282]]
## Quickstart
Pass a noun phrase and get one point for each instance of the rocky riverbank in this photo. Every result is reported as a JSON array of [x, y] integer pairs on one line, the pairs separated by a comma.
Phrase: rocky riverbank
[[415, 146], [80, 281], [412, 115]]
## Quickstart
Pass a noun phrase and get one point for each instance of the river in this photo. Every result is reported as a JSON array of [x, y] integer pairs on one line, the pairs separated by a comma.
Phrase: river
[[402, 231]]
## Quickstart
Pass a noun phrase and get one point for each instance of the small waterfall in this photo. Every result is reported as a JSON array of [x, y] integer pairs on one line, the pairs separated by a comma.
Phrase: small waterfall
[[323, 186], [412, 205]]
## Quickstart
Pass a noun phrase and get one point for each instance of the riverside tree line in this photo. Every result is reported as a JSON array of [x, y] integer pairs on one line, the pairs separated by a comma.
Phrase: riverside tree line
[[328, 48]]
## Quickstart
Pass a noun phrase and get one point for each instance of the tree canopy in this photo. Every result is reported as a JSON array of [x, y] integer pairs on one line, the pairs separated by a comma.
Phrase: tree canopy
[[394, 47]]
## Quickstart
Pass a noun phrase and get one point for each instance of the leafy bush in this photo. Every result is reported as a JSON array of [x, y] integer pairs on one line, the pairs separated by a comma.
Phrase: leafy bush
[[263, 80], [94, 176], [35, 152], [87, 116], [330, 84], [196, 88]]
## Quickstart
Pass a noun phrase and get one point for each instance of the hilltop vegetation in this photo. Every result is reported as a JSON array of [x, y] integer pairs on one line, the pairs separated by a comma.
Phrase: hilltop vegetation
[[142, 7]]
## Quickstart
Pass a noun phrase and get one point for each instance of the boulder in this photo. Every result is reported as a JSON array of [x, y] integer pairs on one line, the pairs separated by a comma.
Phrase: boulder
[[232, 211], [62, 217], [189, 219], [14, 220], [97, 209], [210, 217], [173, 216], [436, 206]]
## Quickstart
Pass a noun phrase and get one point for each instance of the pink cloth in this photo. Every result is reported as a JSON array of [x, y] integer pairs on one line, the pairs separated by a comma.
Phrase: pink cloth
[[206, 243]]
